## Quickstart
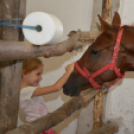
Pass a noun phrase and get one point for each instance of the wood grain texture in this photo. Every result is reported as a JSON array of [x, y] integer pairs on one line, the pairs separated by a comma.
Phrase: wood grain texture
[[15, 50], [10, 72]]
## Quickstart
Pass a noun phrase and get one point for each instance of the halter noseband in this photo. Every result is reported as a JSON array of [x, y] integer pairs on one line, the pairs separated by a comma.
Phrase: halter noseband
[[110, 66]]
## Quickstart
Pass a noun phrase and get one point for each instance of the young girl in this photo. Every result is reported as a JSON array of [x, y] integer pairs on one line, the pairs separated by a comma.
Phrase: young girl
[[32, 104]]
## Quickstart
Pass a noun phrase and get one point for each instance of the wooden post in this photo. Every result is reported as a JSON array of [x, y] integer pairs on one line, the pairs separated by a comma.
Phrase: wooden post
[[10, 72], [107, 10], [98, 102]]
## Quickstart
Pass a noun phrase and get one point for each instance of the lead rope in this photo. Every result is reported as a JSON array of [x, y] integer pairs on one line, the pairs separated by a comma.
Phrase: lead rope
[[37, 28]]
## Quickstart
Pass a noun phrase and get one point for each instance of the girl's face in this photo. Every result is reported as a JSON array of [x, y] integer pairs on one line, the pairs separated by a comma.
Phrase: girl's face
[[34, 77]]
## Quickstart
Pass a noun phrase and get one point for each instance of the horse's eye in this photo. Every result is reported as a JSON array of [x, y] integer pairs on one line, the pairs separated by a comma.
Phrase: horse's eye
[[94, 51]]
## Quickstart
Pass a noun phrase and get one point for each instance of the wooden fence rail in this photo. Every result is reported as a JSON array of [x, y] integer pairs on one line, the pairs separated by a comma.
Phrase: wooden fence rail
[[14, 50], [52, 119]]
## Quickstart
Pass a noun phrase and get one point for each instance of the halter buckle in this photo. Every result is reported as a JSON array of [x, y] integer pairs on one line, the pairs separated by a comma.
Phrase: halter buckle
[[88, 76], [103, 88], [112, 62], [117, 47]]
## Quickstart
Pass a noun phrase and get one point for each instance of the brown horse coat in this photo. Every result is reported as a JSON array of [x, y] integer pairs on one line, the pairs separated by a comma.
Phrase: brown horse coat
[[100, 53]]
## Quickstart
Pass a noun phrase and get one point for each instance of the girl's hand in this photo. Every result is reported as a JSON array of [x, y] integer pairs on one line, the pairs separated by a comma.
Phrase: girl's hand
[[70, 67]]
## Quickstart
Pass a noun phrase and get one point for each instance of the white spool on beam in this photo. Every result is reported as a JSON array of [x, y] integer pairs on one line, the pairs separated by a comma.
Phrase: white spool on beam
[[51, 28]]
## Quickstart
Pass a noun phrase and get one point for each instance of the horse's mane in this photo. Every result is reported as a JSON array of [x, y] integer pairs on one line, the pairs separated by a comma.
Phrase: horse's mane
[[130, 28]]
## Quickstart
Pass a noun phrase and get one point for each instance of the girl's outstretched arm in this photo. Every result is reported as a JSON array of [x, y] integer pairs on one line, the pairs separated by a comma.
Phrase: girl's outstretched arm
[[58, 85]]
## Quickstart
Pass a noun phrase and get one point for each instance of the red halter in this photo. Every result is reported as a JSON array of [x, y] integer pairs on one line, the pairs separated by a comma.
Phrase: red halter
[[110, 66]]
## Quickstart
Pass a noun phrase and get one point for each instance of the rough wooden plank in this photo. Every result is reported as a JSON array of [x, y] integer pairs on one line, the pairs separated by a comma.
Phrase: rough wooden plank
[[22, 13], [10, 72], [98, 109], [21, 50], [107, 10]]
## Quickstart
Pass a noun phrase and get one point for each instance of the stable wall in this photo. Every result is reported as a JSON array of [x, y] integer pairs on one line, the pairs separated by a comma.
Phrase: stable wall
[[74, 14]]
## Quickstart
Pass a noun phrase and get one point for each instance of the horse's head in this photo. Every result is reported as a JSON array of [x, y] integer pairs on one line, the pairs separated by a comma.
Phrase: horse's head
[[100, 53]]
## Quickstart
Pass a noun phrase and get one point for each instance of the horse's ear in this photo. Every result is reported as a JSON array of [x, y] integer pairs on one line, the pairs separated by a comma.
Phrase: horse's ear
[[116, 19], [104, 25]]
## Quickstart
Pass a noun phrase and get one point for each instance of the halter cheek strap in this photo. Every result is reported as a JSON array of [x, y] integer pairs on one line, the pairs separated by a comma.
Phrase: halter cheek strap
[[110, 66]]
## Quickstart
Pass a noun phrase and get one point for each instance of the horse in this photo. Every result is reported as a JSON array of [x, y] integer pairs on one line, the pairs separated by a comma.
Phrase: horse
[[104, 61]]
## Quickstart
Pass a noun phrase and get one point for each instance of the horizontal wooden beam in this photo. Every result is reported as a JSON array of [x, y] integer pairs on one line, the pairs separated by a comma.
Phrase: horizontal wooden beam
[[13, 50], [52, 119]]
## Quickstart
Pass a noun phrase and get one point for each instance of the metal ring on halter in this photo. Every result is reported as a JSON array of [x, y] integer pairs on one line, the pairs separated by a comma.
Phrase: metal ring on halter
[[104, 88], [115, 47]]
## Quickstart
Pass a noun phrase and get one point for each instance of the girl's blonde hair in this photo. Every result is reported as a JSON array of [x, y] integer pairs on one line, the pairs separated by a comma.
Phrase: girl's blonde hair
[[31, 64]]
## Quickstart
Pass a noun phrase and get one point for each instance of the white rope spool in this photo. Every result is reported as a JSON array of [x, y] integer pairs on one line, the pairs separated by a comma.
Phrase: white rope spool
[[51, 28]]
